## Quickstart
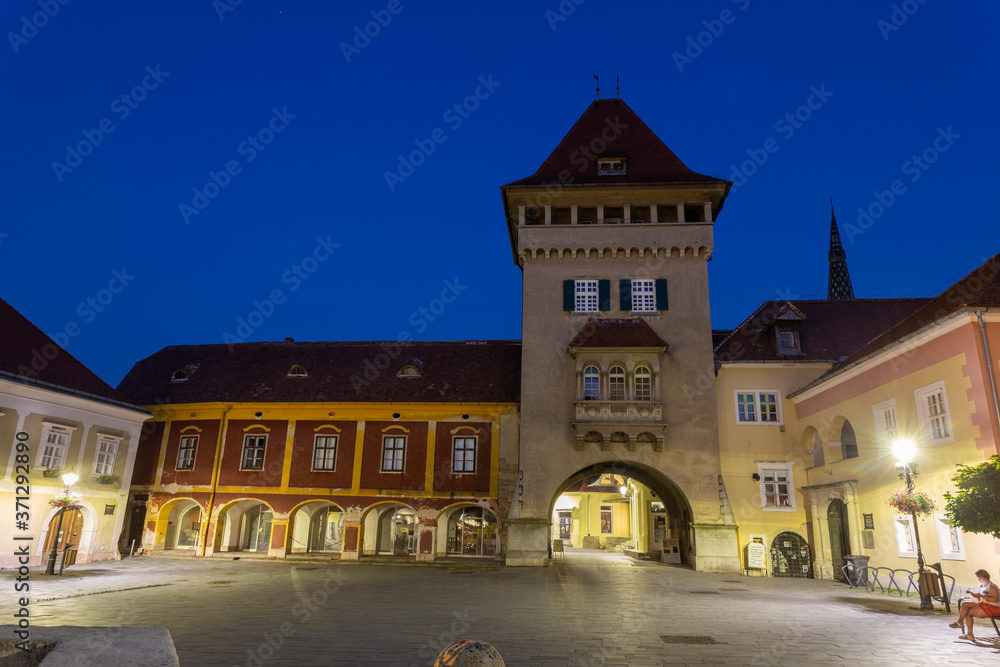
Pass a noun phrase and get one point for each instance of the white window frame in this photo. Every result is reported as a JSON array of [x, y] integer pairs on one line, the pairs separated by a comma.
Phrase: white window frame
[[59, 450], [263, 451], [882, 413], [397, 453], [611, 519], [611, 166], [642, 393], [617, 380], [944, 528], [104, 461], [588, 394], [927, 428], [643, 295], [182, 452], [461, 448], [325, 438], [902, 524], [586, 294], [757, 406], [763, 467]]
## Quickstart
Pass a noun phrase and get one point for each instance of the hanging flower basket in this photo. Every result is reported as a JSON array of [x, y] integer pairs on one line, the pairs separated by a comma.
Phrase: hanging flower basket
[[106, 479], [50, 472], [909, 501], [67, 501]]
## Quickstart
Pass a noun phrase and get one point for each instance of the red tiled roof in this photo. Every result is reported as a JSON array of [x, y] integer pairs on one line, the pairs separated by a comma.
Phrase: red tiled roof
[[613, 124], [981, 288], [452, 371], [27, 353], [631, 332], [831, 330]]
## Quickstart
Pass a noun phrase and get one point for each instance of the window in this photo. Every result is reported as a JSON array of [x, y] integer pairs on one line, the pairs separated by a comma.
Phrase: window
[[776, 485], [253, 452], [55, 441], [758, 407], [611, 166], [932, 404], [297, 371], [463, 455], [949, 538], [643, 384], [788, 338], [886, 426], [616, 384], [186, 451], [905, 539], [178, 376], [586, 296], [591, 383], [393, 453], [325, 452], [607, 527], [643, 296], [104, 462], [848, 442]]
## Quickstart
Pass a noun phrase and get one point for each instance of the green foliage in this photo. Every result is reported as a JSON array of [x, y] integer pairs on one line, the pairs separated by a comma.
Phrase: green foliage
[[975, 507]]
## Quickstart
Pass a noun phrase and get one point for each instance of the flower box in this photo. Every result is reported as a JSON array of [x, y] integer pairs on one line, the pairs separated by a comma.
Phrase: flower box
[[50, 473], [105, 479]]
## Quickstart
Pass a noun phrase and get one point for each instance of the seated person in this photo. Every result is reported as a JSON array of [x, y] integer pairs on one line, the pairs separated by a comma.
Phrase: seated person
[[985, 605]]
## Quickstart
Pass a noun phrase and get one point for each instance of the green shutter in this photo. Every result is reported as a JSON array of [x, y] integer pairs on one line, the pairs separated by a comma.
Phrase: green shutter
[[569, 294], [625, 294], [604, 295], [661, 294]]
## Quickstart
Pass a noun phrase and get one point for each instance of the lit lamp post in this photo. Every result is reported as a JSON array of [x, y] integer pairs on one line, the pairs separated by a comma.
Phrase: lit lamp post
[[69, 479], [904, 451]]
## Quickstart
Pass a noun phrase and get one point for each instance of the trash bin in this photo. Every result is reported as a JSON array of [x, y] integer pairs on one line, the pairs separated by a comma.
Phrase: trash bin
[[857, 570]]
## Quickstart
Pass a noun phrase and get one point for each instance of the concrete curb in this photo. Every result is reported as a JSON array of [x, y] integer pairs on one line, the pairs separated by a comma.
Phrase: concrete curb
[[109, 647]]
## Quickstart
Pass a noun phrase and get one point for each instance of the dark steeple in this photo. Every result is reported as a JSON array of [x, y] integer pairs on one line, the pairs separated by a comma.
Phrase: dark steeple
[[839, 286]]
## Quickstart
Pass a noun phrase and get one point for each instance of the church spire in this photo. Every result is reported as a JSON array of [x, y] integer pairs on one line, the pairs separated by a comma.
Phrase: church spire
[[839, 286]]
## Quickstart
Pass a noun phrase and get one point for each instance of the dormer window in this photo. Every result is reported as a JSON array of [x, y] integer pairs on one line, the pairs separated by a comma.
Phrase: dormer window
[[178, 376], [408, 371], [611, 166], [788, 338], [297, 371]]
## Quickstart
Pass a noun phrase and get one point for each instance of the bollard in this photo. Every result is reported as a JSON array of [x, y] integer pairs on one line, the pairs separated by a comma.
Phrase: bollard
[[469, 653]]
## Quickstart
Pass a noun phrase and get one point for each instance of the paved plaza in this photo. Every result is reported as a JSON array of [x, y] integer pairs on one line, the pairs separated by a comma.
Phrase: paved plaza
[[590, 608]]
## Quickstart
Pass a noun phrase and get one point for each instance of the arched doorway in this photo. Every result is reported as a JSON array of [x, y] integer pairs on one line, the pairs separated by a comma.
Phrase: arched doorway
[[70, 531], [326, 530], [472, 531], [790, 556], [255, 528], [840, 544], [183, 526], [390, 530], [654, 512]]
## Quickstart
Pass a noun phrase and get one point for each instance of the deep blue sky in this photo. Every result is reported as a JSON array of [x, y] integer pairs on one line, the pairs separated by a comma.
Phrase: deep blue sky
[[323, 174]]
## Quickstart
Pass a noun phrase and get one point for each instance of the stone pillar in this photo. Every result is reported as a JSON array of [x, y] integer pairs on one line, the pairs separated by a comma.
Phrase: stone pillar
[[653, 213], [627, 212], [352, 541], [548, 214], [716, 548], [527, 542], [708, 211], [600, 214], [520, 215], [426, 540], [680, 213]]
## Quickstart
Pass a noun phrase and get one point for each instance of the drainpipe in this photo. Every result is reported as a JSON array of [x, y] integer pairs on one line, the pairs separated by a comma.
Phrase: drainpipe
[[215, 482], [989, 366]]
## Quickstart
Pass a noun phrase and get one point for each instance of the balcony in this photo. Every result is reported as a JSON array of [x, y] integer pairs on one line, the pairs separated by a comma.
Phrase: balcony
[[619, 412]]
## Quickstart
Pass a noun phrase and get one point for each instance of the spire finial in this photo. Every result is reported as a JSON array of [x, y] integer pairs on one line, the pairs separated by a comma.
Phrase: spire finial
[[618, 86], [839, 285], [598, 86]]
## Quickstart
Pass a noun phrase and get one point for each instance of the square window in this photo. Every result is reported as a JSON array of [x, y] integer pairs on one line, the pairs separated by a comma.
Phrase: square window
[[463, 455], [643, 296], [186, 451], [776, 485], [905, 539], [758, 407], [585, 296], [393, 453], [253, 452], [104, 462], [325, 453]]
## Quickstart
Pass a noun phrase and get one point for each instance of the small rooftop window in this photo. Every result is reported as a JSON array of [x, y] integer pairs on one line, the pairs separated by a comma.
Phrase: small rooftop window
[[408, 371], [611, 166], [178, 376], [297, 371]]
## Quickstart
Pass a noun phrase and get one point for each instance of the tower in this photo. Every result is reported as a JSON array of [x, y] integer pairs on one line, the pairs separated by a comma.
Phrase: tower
[[613, 234], [839, 285]]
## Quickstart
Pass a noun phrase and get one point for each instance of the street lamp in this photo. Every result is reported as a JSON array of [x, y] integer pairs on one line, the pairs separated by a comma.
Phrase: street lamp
[[904, 450], [69, 479]]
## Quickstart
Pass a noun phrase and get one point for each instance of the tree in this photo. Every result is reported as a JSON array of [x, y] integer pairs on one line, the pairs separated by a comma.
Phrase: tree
[[975, 507]]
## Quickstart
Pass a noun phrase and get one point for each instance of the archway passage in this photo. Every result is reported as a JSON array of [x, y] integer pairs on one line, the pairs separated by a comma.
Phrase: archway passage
[[70, 531], [790, 556], [621, 506], [840, 545], [390, 530], [183, 526], [255, 529], [326, 530], [472, 531]]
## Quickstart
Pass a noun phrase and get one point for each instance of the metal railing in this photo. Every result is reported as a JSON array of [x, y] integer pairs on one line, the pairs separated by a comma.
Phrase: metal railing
[[889, 580]]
